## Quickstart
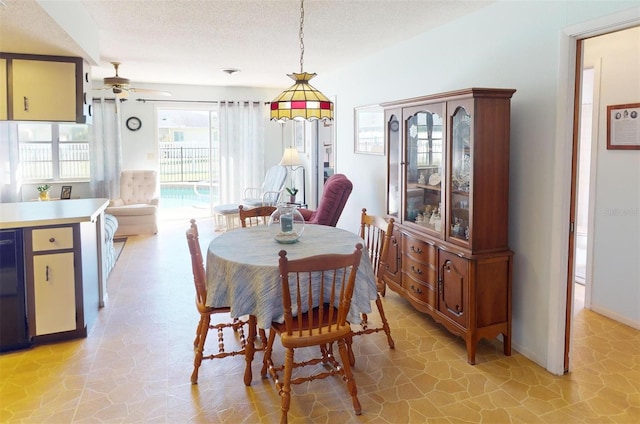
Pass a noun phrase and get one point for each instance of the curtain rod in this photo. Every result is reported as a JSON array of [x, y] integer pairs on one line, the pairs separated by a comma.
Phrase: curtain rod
[[111, 99], [198, 101]]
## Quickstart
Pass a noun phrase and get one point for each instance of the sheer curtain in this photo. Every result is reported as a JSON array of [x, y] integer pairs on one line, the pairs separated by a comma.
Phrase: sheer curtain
[[106, 149], [10, 178], [242, 152]]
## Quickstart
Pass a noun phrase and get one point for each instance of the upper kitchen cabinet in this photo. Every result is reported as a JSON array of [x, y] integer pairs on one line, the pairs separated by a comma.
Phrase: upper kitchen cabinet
[[87, 100], [44, 88], [3, 89]]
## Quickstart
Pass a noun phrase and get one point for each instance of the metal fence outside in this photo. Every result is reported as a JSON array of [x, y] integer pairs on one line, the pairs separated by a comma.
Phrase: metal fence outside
[[179, 162], [36, 160], [184, 162]]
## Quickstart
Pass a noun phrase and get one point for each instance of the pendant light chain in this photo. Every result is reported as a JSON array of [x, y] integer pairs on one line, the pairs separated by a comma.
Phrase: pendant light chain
[[301, 100], [301, 34]]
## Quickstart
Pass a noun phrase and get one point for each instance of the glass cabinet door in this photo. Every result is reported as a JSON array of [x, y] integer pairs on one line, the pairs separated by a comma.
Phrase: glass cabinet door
[[394, 172], [424, 161], [461, 181]]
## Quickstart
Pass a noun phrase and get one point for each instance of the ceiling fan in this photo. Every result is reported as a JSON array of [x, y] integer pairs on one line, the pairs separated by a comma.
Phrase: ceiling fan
[[121, 87]]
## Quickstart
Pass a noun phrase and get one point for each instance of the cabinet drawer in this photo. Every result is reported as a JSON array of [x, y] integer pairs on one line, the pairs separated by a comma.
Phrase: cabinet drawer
[[419, 250], [52, 239], [419, 290], [419, 271]]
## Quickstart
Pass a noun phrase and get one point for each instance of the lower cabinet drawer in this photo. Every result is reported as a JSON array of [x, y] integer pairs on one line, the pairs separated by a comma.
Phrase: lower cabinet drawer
[[54, 238], [419, 290], [419, 250], [419, 271]]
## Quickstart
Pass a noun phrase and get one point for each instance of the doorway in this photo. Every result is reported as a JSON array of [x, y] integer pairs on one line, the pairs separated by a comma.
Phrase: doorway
[[594, 90]]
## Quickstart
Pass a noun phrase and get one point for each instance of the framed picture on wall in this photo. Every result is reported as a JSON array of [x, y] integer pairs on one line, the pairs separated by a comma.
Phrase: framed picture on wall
[[298, 135], [65, 193], [369, 130], [623, 127]]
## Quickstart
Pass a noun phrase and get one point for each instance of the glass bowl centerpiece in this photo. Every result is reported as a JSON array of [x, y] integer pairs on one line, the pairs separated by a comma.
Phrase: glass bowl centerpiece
[[286, 224]]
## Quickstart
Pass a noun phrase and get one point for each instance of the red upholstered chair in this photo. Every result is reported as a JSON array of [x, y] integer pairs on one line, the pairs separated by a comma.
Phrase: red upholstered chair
[[334, 196]]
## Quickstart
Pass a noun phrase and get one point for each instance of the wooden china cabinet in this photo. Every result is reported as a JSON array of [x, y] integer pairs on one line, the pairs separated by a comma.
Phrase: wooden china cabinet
[[448, 187]]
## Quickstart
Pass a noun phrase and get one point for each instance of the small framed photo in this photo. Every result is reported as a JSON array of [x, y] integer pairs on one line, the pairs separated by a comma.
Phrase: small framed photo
[[623, 127], [369, 130], [299, 135], [66, 192]]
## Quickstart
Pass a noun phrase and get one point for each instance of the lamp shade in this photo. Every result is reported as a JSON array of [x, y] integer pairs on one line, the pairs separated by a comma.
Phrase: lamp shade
[[290, 157], [301, 101]]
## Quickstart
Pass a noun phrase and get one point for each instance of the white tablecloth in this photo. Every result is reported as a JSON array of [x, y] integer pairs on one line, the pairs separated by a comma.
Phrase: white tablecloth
[[242, 270]]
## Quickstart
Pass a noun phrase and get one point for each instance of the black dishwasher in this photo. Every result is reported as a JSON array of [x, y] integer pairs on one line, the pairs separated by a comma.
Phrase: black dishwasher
[[13, 311]]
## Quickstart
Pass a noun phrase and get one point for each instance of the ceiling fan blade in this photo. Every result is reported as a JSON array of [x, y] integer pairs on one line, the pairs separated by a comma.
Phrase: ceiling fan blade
[[147, 91]]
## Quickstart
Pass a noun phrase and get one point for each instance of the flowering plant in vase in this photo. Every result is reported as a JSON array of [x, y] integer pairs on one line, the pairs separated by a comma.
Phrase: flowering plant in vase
[[43, 191], [292, 194]]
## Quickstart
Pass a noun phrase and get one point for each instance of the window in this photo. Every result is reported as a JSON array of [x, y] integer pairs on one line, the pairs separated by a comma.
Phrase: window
[[429, 133], [54, 151]]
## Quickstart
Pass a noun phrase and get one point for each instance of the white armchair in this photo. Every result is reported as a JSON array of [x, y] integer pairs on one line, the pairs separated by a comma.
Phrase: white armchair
[[270, 191], [137, 207]]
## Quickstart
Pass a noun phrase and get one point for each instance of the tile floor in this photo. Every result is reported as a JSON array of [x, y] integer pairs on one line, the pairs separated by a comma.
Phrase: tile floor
[[134, 366]]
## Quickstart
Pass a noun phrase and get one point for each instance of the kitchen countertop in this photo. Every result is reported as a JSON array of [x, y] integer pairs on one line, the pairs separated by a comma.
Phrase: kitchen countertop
[[52, 212]]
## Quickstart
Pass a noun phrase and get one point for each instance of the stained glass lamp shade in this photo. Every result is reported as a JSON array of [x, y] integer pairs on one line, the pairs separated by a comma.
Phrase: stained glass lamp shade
[[301, 101]]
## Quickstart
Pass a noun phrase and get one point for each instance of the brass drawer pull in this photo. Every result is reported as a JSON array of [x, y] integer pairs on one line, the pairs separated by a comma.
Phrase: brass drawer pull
[[416, 250], [416, 270], [52, 240], [417, 291]]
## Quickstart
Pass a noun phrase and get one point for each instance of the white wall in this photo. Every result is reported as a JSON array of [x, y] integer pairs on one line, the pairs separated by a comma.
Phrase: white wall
[[616, 216], [506, 45]]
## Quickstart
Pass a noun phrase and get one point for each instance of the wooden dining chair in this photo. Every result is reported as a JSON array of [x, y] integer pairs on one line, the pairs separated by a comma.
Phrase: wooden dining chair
[[304, 282], [376, 231], [255, 216], [204, 325]]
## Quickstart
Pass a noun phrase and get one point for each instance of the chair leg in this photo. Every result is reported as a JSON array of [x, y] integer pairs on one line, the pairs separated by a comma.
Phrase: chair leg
[[285, 392], [203, 328], [365, 321], [385, 324], [352, 357], [250, 350], [382, 287], [263, 337], [196, 341], [266, 358], [351, 382]]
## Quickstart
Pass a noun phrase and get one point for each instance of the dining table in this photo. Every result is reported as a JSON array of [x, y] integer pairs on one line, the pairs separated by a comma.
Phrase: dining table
[[243, 273]]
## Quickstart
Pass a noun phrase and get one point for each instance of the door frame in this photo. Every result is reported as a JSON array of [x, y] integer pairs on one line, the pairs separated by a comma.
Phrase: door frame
[[561, 251]]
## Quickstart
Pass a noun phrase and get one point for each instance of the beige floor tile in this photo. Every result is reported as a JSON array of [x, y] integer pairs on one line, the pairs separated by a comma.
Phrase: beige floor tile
[[134, 366]]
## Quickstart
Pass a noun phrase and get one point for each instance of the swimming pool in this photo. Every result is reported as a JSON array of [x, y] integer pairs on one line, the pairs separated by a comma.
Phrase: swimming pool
[[184, 195]]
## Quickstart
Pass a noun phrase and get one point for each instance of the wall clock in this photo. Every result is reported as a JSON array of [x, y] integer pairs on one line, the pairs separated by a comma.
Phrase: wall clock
[[134, 123]]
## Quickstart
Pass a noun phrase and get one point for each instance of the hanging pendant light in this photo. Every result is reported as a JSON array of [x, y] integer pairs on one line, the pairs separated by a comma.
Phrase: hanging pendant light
[[301, 100]]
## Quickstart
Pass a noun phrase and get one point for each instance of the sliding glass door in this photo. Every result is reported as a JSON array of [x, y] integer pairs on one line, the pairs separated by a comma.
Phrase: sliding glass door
[[189, 156]]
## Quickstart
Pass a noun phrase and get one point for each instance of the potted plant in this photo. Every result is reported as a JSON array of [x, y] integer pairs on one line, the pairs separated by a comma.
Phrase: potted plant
[[292, 194], [43, 191]]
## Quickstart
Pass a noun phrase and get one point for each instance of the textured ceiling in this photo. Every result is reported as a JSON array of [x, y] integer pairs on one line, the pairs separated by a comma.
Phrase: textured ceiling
[[190, 41]]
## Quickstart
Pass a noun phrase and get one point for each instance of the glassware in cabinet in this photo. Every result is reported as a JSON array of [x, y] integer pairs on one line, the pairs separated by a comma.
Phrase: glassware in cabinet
[[424, 159], [461, 176]]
